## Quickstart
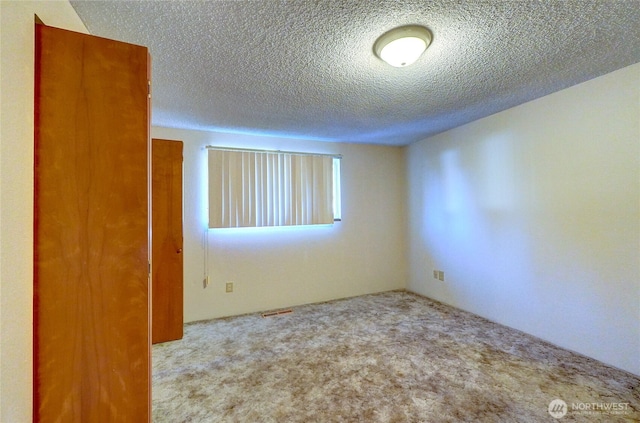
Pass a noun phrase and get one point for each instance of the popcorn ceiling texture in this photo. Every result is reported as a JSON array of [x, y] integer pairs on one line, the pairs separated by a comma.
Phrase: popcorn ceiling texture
[[306, 69]]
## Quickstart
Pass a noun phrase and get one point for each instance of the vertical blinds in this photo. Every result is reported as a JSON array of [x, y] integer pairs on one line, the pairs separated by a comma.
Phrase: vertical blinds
[[255, 188]]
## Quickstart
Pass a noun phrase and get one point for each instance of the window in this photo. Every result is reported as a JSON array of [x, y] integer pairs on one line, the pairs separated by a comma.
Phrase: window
[[250, 188], [337, 203]]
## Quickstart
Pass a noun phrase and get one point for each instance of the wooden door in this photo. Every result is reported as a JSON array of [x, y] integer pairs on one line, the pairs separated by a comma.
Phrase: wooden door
[[91, 264], [167, 261]]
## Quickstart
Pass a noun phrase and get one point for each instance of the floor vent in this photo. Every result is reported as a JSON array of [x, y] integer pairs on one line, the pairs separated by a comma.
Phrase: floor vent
[[277, 313]]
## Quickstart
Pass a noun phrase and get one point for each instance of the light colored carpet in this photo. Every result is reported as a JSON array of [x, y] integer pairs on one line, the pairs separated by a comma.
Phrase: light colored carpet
[[390, 357]]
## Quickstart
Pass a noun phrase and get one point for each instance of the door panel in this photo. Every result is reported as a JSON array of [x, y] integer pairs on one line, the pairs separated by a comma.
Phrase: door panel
[[91, 265], [167, 257]]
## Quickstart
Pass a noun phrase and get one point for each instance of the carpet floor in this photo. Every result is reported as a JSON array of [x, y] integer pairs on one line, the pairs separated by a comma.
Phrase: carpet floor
[[389, 357]]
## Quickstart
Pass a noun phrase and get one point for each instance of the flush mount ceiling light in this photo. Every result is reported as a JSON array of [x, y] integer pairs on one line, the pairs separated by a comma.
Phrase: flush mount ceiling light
[[403, 45]]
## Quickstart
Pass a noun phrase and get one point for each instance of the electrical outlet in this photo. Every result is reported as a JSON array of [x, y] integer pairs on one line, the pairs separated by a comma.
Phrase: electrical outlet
[[435, 274], [205, 282], [229, 287], [441, 275]]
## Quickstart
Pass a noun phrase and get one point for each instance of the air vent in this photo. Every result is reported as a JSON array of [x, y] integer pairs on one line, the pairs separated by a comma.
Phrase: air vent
[[277, 313]]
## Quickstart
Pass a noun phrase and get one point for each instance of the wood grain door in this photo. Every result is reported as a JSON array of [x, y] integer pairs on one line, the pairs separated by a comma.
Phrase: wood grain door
[[91, 264], [167, 261]]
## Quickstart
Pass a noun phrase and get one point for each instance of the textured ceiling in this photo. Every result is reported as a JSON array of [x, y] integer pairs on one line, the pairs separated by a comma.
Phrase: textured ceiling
[[306, 69]]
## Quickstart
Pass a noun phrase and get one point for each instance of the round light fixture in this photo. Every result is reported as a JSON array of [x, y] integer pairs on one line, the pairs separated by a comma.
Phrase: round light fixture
[[402, 46]]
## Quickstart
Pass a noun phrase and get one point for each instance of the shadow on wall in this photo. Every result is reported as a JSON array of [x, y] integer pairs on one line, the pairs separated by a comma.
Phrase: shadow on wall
[[473, 224]]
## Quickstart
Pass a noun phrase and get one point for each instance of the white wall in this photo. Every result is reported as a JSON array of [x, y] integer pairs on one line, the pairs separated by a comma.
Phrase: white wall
[[534, 215], [273, 268], [16, 195]]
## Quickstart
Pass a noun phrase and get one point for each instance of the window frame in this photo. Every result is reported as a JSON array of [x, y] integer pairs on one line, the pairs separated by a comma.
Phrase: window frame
[[316, 192]]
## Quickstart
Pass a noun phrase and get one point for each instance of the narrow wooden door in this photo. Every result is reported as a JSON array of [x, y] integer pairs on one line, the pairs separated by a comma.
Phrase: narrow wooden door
[[91, 264], [167, 261]]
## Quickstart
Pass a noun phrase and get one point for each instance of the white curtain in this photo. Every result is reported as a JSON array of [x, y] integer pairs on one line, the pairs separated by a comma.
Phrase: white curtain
[[250, 188]]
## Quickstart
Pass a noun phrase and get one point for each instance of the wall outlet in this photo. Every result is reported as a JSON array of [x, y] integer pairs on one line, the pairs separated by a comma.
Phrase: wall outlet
[[441, 275], [435, 274], [205, 282], [229, 287]]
